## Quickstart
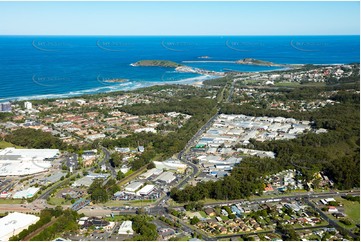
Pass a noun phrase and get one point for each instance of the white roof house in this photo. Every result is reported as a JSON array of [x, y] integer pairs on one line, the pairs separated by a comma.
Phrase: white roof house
[[126, 228], [14, 223]]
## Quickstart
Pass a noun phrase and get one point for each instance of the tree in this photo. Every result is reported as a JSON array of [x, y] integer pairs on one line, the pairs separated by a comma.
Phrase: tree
[[194, 220], [120, 175]]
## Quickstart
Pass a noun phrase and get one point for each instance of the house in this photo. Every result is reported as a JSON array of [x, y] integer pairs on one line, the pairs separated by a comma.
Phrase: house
[[332, 209], [200, 225], [223, 230], [210, 212], [212, 224], [219, 219], [230, 223], [166, 233], [268, 188], [257, 227], [224, 212]]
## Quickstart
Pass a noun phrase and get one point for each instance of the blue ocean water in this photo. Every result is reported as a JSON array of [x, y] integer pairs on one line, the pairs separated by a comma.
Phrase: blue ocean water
[[61, 66]]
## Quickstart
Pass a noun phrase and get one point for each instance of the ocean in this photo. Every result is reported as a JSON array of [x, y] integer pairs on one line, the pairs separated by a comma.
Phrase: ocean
[[33, 67]]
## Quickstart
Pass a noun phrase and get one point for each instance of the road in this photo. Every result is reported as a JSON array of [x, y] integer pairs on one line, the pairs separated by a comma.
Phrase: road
[[48, 192], [265, 232], [291, 197], [106, 162]]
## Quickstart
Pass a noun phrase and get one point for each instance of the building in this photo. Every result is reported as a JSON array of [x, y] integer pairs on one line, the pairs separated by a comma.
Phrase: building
[[55, 177], [175, 165], [5, 107], [20, 162], [151, 172], [126, 228], [83, 182], [28, 105], [210, 212], [132, 187], [27, 193], [146, 190], [166, 177], [93, 137], [14, 223], [332, 209]]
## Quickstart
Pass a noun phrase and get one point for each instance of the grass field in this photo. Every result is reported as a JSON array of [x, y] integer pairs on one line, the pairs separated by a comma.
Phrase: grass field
[[352, 209], [287, 84], [203, 214], [4, 144], [10, 201]]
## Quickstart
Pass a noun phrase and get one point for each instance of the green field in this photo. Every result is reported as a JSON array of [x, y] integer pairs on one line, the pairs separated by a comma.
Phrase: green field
[[287, 84], [4, 144], [10, 201], [352, 209], [203, 214]]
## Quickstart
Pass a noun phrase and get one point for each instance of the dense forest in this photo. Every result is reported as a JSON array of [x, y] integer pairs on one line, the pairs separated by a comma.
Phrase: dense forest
[[38, 139]]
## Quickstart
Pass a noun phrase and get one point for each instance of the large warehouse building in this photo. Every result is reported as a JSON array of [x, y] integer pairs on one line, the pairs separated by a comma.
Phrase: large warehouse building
[[20, 162], [146, 190], [14, 223], [132, 187], [166, 177]]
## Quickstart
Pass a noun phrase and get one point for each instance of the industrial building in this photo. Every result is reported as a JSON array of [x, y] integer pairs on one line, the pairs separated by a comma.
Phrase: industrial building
[[126, 228], [20, 162], [146, 190], [151, 172], [14, 223], [170, 164], [132, 187], [27, 193], [166, 177]]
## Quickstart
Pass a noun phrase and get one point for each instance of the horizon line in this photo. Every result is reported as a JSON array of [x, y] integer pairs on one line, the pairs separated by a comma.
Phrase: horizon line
[[155, 35]]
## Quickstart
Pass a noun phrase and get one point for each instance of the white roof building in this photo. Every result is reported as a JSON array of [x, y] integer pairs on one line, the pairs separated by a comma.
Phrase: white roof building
[[14, 223], [19, 162], [28, 193], [166, 177], [170, 165], [126, 228], [151, 172], [132, 187], [146, 190]]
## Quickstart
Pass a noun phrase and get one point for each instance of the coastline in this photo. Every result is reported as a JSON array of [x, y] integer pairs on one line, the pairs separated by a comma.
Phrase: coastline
[[129, 85], [124, 86]]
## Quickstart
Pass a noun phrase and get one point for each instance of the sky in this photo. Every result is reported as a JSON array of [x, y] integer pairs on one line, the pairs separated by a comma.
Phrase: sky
[[179, 18]]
